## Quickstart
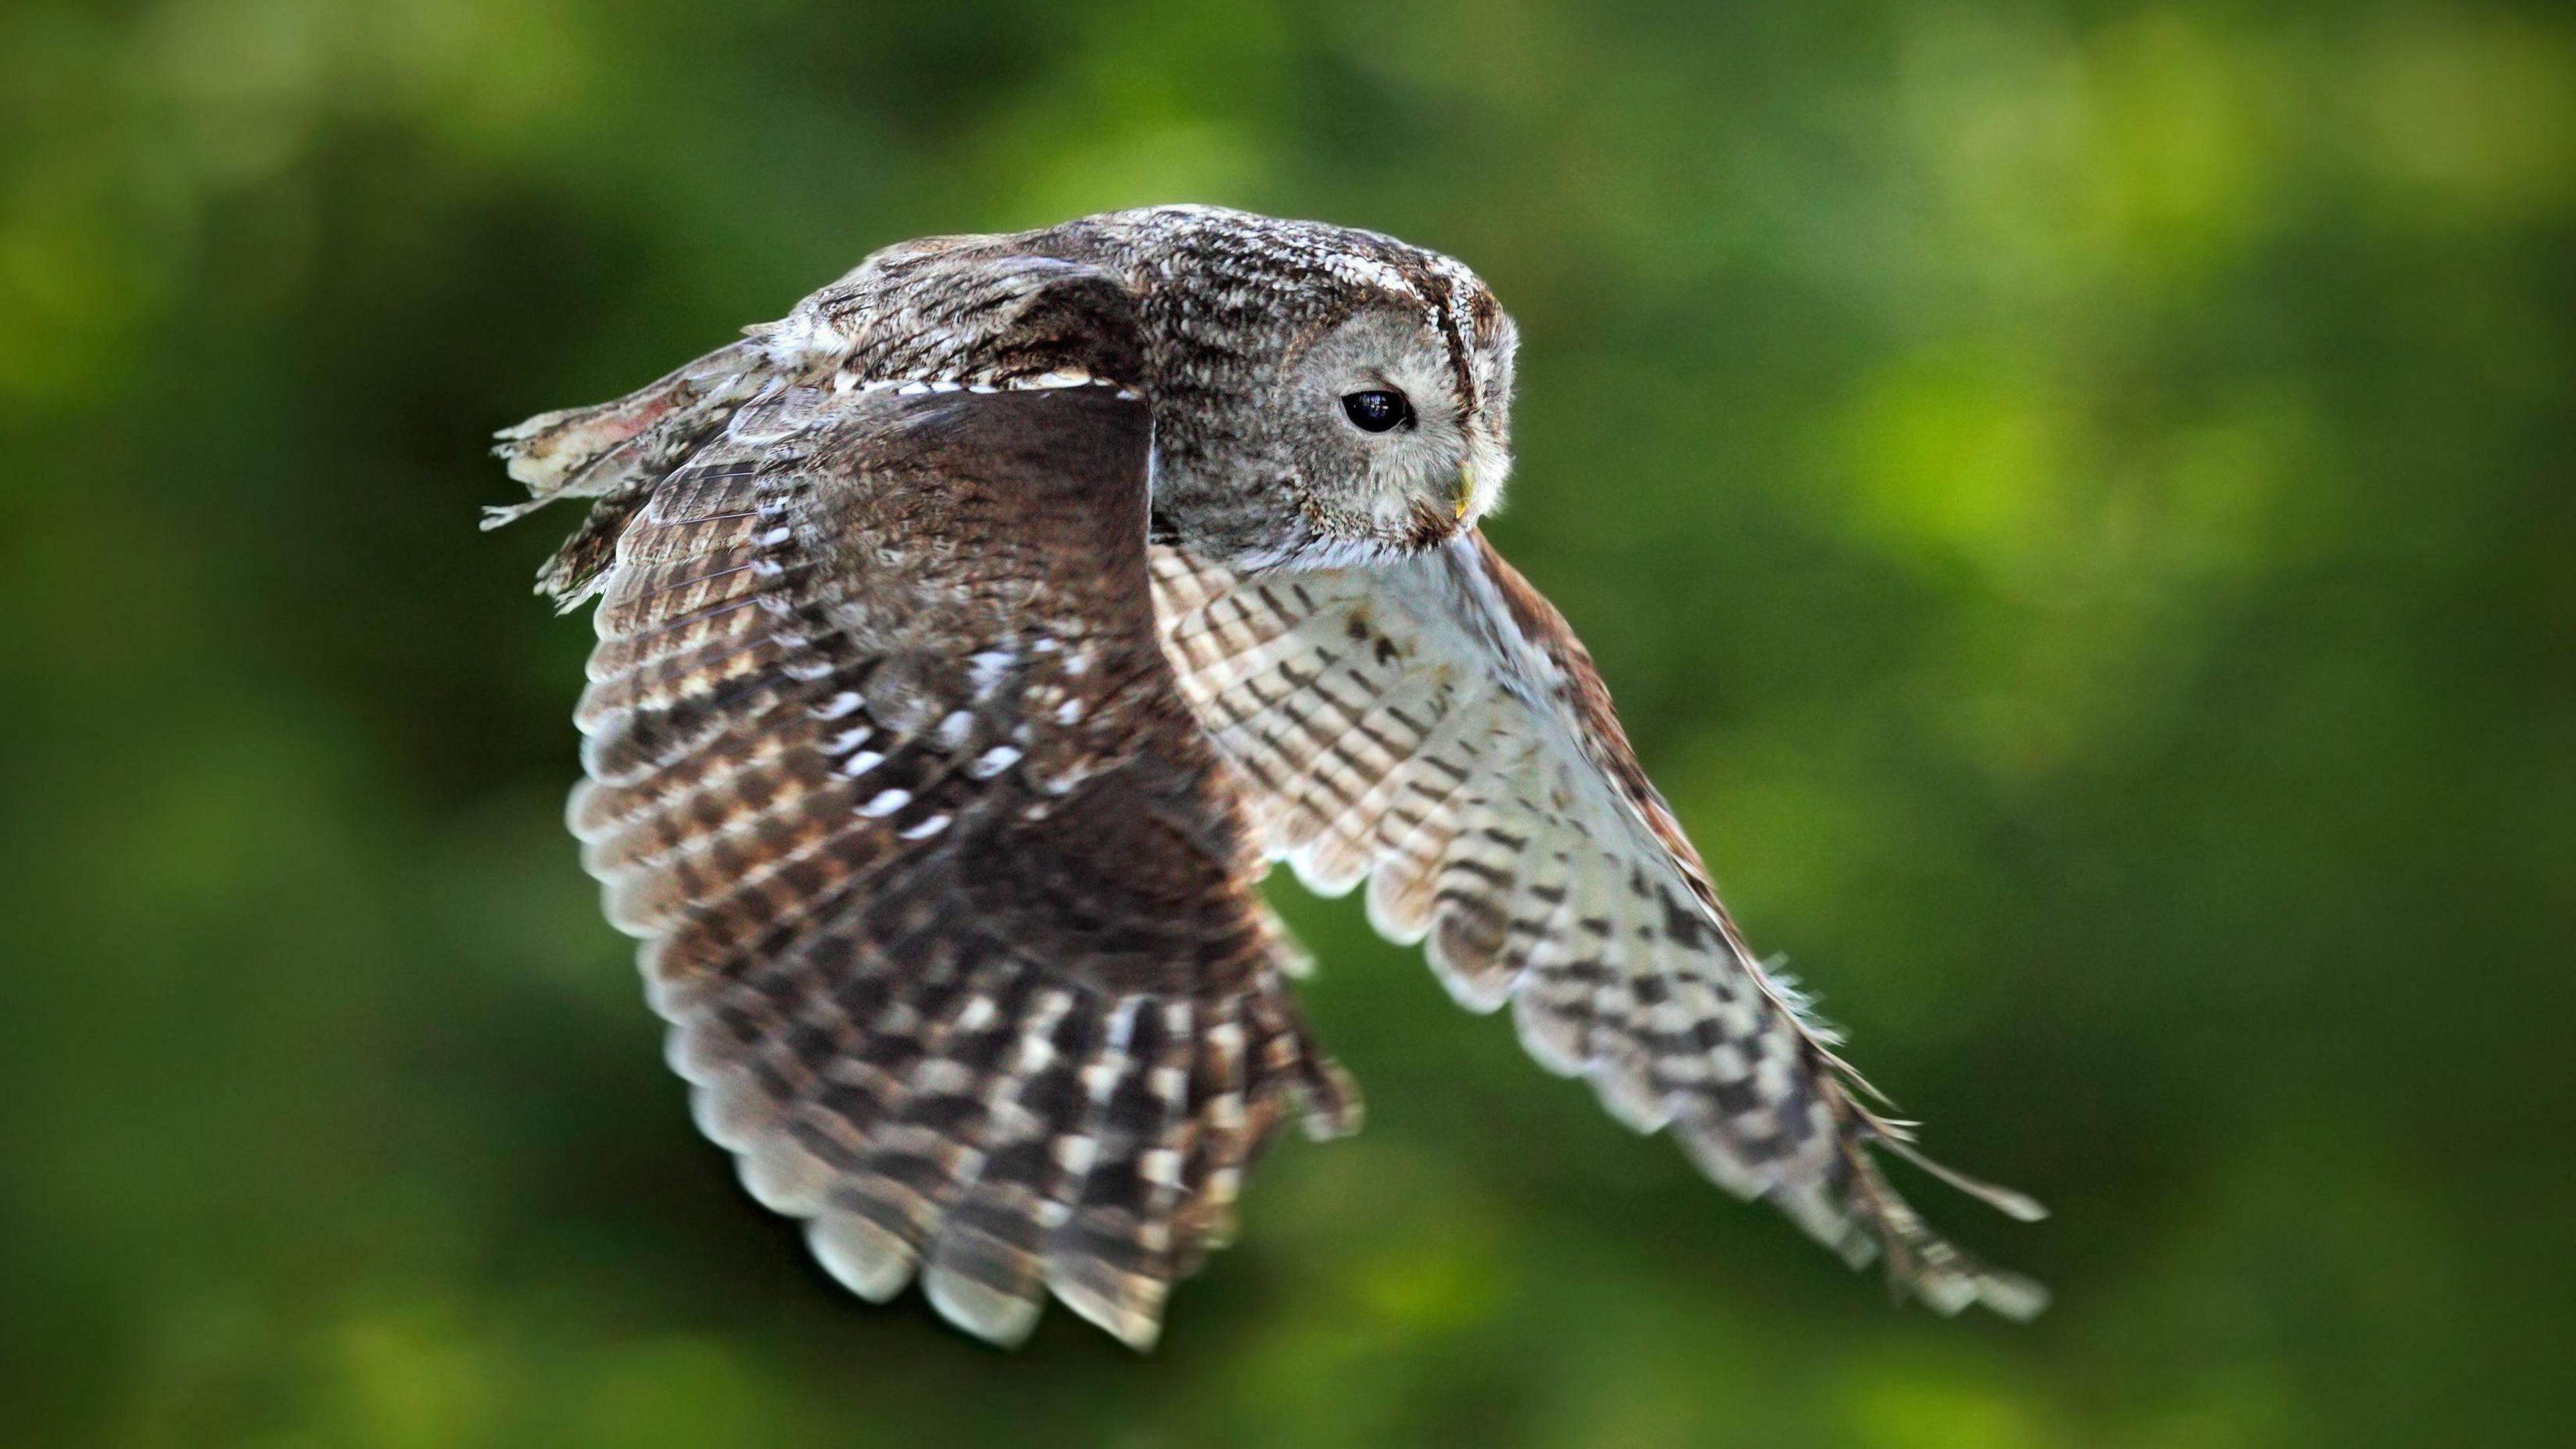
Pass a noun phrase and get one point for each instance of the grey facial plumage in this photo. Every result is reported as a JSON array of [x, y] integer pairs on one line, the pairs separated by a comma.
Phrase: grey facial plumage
[[969, 640]]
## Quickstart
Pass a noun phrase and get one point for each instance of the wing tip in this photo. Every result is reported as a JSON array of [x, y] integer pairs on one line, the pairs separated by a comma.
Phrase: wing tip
[[1002, 1319], [2012, 1295], [2021, 1207], [1133, 1317], [860, 1256]]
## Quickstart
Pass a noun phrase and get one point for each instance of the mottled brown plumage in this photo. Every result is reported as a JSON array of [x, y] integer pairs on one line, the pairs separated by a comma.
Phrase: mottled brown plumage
[[938, 795]]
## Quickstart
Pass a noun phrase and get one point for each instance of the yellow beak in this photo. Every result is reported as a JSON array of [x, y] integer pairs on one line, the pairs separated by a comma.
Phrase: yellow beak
[[1465, 493]]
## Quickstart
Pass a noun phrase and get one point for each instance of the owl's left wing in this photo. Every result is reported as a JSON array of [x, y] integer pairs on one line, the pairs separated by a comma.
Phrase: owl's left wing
[[943, 893], [1431, 727]]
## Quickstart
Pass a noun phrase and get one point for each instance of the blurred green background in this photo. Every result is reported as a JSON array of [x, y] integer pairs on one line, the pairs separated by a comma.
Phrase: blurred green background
[[2075, 501]]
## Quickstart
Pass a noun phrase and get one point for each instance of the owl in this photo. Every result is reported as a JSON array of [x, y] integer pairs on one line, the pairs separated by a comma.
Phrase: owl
[[971, 641]]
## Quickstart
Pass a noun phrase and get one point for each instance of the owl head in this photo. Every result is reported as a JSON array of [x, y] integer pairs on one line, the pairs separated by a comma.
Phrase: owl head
[[1321, 395]]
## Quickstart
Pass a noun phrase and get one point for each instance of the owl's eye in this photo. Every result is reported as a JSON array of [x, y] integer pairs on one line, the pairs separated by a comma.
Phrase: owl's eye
[[1376, 410]]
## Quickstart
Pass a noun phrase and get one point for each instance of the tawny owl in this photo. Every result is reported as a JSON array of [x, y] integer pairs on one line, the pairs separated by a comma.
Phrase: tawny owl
[[970, 640]]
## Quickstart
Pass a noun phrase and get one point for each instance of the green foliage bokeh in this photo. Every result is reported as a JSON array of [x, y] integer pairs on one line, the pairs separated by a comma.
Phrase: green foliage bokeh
[[2074, 500]]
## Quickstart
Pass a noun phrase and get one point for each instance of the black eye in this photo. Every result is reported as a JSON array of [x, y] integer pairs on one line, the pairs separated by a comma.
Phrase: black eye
[[1376, 410]]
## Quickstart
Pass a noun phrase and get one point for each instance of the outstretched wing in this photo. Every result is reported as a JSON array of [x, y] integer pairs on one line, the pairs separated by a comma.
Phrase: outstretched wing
[[1431, 727], [937, 881]]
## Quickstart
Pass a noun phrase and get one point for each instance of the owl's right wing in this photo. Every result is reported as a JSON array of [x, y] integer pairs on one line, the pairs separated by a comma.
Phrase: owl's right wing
[[936, 879], [1431, 727]]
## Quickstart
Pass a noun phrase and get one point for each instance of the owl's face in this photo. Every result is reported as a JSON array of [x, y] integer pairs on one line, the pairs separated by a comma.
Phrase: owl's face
[[1394, 439], [1321, 395]]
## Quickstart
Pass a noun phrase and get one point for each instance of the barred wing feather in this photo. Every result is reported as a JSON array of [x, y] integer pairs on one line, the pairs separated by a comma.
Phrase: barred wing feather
[[1431, 728], [943, 892]]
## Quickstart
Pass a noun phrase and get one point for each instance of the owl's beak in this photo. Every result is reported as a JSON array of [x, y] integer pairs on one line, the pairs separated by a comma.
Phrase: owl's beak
[[1463, 492]]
